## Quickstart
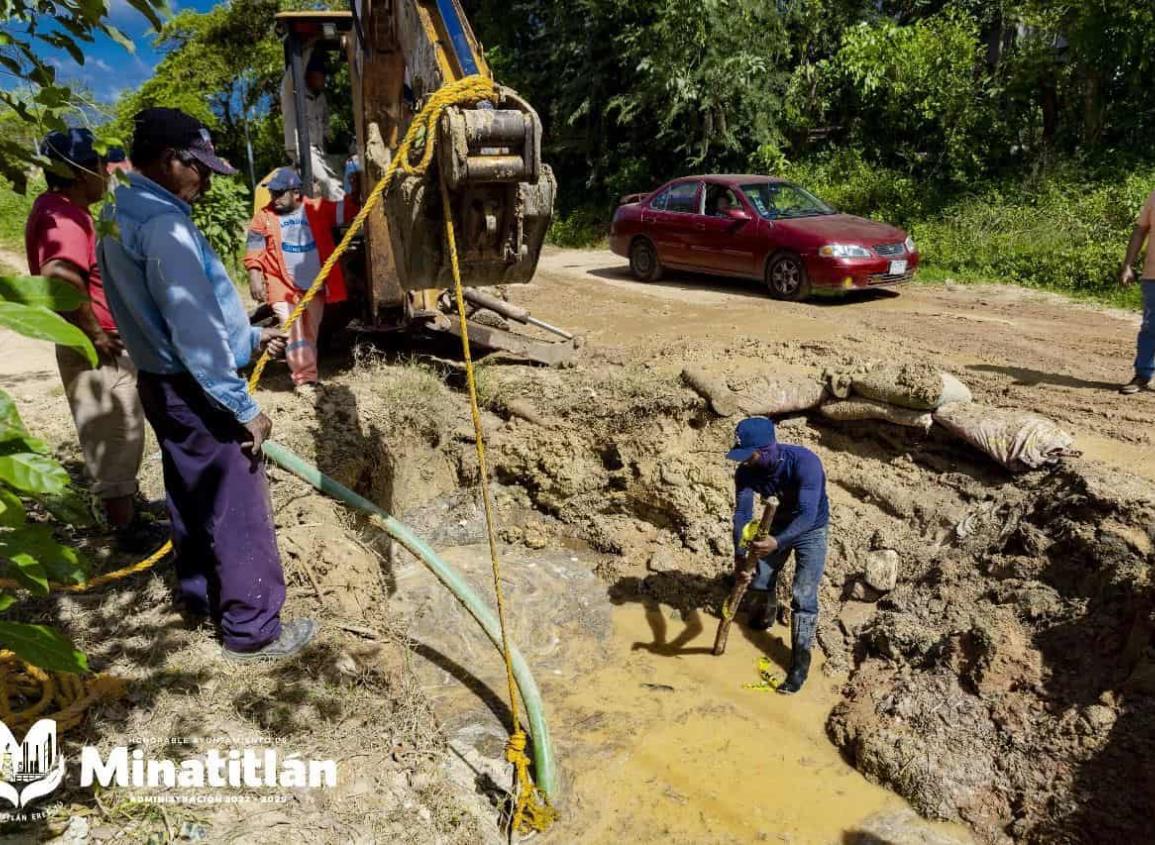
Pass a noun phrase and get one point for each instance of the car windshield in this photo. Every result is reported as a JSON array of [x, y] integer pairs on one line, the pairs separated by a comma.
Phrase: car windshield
[[783, 201]]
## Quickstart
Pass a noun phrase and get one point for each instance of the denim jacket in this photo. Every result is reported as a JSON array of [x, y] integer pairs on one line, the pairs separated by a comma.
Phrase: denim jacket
[[173, 300]]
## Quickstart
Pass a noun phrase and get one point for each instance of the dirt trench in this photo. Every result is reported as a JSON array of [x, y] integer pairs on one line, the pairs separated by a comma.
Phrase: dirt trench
[[1006, 682]]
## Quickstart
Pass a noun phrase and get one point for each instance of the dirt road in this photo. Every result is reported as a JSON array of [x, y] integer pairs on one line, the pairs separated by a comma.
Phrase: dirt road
[[1016, 348]]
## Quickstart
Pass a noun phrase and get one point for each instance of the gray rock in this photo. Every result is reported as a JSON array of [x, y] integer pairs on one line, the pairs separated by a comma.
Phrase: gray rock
[[882, 570]]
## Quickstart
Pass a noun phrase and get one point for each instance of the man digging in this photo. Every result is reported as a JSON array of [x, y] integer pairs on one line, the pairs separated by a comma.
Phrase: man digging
[[794, 474]]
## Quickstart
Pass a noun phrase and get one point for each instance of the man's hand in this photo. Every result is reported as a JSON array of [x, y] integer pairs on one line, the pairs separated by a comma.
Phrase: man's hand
[[1127, 277], [764, 546], [108, 345], [274, 341], [743, 574], [256, 289], [259, 429]]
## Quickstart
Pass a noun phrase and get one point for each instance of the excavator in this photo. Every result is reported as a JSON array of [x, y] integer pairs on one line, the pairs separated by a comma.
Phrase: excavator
[[398, 53]]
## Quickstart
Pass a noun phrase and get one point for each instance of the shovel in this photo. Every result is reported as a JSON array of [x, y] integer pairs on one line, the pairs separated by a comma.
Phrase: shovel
[[741, 581]]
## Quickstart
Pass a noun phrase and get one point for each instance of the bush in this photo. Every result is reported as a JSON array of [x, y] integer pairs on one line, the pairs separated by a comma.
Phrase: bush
[[222, 215], [14, 210], [583, 227], [1065, 230]]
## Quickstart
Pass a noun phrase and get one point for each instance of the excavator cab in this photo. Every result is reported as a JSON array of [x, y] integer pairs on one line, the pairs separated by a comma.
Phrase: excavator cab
[[398, 53]]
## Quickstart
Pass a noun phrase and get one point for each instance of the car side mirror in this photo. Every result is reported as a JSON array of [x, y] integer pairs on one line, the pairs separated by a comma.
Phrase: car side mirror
[[739, 215]]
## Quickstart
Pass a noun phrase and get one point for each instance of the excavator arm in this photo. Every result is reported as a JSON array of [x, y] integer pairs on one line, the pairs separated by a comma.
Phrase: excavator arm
[[399, 53]]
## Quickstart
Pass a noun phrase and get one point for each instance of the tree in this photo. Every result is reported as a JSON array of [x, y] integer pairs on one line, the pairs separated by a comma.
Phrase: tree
[[223, 67], [41, 103]]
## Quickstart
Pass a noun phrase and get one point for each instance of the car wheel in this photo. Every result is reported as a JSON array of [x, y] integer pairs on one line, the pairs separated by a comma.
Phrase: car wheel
[[786, 278], [644, 263]]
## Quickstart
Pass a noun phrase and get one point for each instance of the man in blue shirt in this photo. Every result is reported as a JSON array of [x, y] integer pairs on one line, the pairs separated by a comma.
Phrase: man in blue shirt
[[185, 327], [794, 474]]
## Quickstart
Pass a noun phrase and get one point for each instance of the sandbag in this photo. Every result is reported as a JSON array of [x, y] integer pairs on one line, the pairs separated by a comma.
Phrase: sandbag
[[917, 386], [866, 409], [1017, 440], [762, 396]]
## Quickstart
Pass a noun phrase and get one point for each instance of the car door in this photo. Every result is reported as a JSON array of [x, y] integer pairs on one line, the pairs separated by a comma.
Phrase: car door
[[669, 220], [720, 243]]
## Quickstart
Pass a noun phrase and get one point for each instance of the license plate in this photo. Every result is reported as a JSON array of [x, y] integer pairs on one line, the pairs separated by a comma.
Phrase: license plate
[[897, 268]]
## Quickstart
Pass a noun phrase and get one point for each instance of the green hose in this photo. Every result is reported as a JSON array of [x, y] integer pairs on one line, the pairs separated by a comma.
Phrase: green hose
[[531, 696]]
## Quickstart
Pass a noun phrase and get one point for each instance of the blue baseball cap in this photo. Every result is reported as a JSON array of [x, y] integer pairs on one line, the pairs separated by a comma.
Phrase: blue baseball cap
[[752, 434], [74, 146], [285, 179]]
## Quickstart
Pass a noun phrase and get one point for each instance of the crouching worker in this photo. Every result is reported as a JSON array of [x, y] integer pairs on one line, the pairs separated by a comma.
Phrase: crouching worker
[[185, 327], [794, 474], [289, 239]]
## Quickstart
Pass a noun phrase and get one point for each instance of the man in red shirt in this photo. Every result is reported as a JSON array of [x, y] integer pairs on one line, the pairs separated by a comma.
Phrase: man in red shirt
[[60, 240]]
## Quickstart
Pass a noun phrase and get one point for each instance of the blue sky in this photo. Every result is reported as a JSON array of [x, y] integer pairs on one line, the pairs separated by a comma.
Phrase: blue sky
[[109, 68]]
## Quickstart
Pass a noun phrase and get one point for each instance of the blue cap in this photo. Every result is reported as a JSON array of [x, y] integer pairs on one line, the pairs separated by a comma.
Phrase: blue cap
[[285, 179], [752, 434], [75, 146]]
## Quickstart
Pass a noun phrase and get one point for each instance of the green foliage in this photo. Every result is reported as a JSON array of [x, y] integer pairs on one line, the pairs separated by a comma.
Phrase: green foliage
[[42, 646], [223, 67], [29, 554], [50, 293], [14, 210], [919, 102], [43, 103], [221, 215], [1065, 230], [582, 227], [38, 322]]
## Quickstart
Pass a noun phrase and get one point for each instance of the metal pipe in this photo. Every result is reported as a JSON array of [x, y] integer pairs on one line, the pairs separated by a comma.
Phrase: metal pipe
[[543, 756], [510, 311], [304, 151]]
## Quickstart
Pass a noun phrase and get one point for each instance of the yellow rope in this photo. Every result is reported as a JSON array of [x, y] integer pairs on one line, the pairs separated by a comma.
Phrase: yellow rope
[[531, 811], [531, 808]]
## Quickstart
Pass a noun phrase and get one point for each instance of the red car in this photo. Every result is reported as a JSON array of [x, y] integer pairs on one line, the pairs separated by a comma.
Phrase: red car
[[763, 228]]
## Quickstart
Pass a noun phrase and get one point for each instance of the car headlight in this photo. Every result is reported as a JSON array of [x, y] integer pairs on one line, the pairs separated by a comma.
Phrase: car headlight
[[910, 247], [844, 251]]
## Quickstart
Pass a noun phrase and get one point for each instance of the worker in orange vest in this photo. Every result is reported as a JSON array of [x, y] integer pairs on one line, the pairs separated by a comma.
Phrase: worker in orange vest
[[288, 242]]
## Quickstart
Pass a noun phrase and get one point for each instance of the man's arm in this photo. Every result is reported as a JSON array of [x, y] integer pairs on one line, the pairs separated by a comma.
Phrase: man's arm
[[1134, 247], [184, 295], [69, 273], [1139, 236], [255, 247]]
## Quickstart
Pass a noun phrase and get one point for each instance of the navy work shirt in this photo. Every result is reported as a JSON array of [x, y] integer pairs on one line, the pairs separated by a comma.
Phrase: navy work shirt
[[795, 475]]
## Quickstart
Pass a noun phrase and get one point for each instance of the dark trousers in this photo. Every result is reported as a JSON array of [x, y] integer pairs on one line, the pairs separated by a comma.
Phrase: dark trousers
[[222, 526]]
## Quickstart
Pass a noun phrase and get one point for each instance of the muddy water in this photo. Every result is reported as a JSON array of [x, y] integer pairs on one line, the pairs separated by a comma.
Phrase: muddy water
[[665, 745]]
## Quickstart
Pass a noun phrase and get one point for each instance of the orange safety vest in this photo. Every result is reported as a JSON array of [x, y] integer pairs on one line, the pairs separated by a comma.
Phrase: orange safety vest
[[263, 251]]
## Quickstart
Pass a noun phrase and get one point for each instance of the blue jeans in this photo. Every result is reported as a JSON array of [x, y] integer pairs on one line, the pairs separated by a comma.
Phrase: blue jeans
[[809, 564], [1145, 354]]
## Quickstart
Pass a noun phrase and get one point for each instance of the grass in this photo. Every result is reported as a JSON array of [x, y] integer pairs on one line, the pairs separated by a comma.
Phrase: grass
[[14, 210]]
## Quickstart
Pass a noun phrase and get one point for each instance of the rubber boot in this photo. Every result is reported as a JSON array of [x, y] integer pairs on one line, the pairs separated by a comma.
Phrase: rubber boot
[[764, 611], [799, 664]]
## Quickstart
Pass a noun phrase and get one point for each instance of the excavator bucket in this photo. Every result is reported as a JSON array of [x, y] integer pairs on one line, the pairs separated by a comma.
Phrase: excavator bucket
[[502, 199]]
